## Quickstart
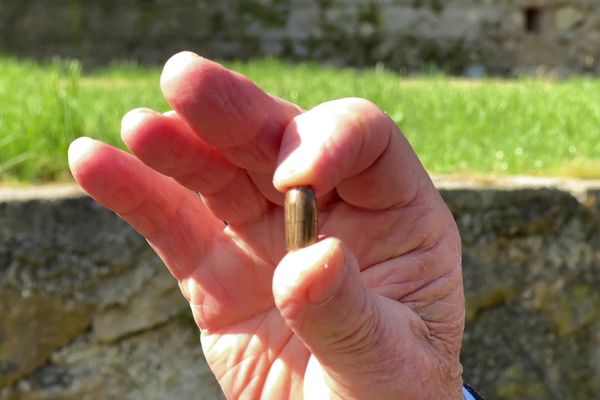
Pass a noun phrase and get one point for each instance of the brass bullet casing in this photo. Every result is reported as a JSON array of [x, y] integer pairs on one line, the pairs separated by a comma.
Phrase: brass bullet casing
[[300, 218]]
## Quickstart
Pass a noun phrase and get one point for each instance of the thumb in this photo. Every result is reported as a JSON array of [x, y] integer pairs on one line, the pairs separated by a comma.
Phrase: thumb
[[319, 292], [360, 339]]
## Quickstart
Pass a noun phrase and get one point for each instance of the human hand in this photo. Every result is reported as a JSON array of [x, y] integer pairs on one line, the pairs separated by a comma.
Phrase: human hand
[[374, 310]]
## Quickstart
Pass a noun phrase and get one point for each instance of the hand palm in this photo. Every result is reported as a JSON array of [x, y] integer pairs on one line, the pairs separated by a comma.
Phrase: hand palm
[[270, 327], [260, 343]]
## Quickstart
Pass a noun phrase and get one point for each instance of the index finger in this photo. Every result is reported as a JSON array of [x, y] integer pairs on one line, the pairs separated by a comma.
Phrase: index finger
[[352, 146]]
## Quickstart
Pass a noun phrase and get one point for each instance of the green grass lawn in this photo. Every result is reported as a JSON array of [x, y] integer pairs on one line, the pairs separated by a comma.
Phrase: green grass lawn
[[500, 127]]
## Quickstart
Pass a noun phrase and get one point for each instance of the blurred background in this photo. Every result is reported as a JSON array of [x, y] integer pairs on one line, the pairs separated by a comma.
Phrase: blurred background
[[508, 85], [462, 37], [487, 91]]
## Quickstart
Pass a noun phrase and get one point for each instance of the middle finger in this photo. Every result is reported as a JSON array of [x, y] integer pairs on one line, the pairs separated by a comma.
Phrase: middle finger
[[227, 110]]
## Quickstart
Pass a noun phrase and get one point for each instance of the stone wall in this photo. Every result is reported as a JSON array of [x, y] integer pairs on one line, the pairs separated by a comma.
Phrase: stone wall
[[460, 36], [88, 312]]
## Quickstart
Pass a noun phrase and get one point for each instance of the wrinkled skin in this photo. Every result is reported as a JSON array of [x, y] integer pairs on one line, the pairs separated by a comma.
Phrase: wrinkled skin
[[374, 310]]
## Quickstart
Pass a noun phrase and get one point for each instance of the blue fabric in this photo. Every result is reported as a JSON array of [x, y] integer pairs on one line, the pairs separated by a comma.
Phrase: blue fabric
[[467, 395]]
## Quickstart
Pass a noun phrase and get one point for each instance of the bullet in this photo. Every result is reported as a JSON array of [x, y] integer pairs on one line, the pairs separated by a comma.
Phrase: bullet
[[300, 218]]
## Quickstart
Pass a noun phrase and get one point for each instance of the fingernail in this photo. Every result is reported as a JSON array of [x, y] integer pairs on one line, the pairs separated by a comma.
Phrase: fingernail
[[283, 175], [293, 169], [174, 69], [78, 148], [298, 157], [333, 273], [133, 119]]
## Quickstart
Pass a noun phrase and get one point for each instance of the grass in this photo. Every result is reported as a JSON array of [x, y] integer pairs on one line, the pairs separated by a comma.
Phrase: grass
[[500, 127]]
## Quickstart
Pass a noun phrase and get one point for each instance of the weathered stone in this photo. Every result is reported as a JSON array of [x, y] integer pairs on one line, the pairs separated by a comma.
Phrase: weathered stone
[[567, 18], [96, 247], [504, 36], [32, 327], [164, 363], [157, 301], [571, 307], [396, 17], [303, 23], [531, 266], [531, 276]]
